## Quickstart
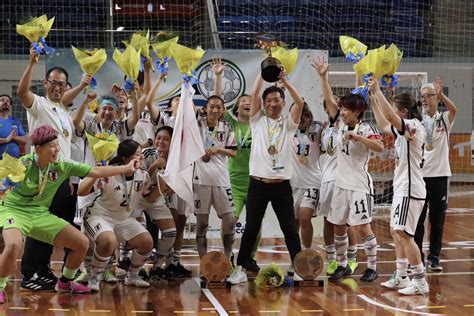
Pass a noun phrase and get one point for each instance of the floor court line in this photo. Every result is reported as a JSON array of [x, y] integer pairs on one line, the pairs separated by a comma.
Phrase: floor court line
[[371, 301], [212, 299]]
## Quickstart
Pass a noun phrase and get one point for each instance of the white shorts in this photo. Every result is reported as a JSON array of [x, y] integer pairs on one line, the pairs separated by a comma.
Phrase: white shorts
[[125, 230], [83, 202], [307, 198], [159, 209], [175, 202], [405, 213], [206, 196], [350, 207], [325, 198]]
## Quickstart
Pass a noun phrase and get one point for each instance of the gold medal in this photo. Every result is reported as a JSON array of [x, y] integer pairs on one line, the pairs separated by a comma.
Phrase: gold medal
[[272, 150], [429, 147], [303, 159], [128, 208], [65, 133], [205, 158]]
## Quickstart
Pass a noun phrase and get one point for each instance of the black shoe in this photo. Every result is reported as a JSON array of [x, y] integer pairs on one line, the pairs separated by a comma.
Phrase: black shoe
[[36, 284], [181, 270], [251, 267], [157, 273], [171, 273], [125, 264], [46, 276], [142, 273], [369, 275], [433, 264], [340, 273]]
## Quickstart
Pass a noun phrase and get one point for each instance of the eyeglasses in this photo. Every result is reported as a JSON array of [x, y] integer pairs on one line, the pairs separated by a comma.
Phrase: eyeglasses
[[61, 84], [427, 96]]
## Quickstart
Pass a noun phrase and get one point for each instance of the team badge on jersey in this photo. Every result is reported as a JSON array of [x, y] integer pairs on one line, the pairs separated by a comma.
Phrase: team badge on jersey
[[312, 136], [53, 175], [220, 136], [138, 185]]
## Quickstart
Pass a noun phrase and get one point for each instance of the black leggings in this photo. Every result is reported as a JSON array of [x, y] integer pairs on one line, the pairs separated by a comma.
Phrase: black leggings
[[281, 197]]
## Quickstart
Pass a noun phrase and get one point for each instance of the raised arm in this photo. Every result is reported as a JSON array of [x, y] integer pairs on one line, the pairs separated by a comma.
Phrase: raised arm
[[438, 83], [382, 122], [72, 93], [110, 171], [255, 99], [297, 108], [385, 107], [135, 116], [23, 90], [218, 69], [322, 67], [150, 99], [78, 119], [146, 85]]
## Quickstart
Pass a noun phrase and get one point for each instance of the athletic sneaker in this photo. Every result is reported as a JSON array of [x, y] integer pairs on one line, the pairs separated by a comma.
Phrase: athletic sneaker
[[36, 284], [291, 271], [84, 277], [71, 287], [369, 275], [46, 276], [238, 276], [109, 276], [433, 264], [332, 266], [296, 277], [94, 282], [353, 264], [157, 273], [415, 289], [125, 264], [251, 266], [396, 283], [3, 297], [182, 271], [136, 280], [340, 273]]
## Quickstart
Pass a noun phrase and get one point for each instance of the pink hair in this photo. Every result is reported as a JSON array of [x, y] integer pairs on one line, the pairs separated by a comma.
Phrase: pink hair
[[42, 135]]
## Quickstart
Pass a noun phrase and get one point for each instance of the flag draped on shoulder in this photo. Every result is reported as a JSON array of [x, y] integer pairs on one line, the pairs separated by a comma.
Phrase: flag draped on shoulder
[[186, 147]]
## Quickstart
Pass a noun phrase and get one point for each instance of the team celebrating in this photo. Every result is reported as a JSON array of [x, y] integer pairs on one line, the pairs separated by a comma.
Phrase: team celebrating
[[125, 213]]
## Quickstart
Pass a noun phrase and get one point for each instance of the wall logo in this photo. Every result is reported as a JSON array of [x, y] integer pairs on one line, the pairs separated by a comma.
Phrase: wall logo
[[233, 81], [239, 228]]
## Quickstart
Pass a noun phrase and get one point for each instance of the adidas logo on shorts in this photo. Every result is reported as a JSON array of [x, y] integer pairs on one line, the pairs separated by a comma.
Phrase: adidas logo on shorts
[[364, 217], [117, 188]]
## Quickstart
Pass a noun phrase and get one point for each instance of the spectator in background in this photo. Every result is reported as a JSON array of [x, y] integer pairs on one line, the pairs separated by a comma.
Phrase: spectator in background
[[12, 134]]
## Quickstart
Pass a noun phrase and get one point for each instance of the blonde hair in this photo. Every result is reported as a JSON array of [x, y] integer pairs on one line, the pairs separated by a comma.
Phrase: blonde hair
[[427, 86]]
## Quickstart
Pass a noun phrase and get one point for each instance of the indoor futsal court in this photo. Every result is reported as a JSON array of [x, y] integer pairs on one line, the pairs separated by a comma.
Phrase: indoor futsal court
[[236, 157]]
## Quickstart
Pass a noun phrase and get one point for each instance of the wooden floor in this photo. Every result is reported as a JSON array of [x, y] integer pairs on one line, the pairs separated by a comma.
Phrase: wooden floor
[[451, 291]]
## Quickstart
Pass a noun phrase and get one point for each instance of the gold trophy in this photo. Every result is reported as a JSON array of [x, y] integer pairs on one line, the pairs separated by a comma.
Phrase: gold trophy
[[308, 265], [270, 66], [214, 269]]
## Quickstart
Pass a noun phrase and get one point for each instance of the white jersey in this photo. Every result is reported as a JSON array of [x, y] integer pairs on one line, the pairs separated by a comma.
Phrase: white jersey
[[353, 159], [305, 157], [120, 196], [328, 158], [145, 128], [151, 154], [262, 163], [437, 129], [165, 119], [408, 180], [214, 172], [46, 112]]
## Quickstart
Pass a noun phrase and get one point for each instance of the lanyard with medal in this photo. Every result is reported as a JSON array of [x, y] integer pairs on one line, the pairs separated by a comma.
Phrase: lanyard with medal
[[42, 180], [345, 135], [274, 134], [328, 137], [303, 141], [128, 191], [429, 125], [241, 140], [209, 141], [61, 120]]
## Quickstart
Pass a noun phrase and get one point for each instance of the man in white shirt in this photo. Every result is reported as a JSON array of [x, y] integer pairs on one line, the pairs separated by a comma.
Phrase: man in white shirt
[[49, 110], [436, 169], [270, 165]]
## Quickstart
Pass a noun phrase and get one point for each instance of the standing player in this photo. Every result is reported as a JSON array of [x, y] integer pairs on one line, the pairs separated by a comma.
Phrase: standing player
[[211, 183], [404, 122], [436, 171], [328, 164], [306, 179]]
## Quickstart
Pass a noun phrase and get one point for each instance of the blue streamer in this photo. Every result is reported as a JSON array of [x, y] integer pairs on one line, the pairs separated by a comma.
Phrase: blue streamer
[[41, 47], [93, 83], [8, 184], [142, 62], [389, 81], [289, 281], [162, 65], [190, 79], [364, 89], [354, 58], [128, 85]]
